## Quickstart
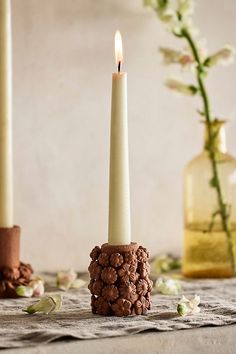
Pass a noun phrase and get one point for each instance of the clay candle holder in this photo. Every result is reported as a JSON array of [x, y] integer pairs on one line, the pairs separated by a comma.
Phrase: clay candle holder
[[12, 272], [120, 283]]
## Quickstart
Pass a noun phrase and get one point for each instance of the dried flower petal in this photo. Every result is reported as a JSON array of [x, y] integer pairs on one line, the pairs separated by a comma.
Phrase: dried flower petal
[[24, 291], [180, 87], [224, 56], [66, 279], [186, 7], [151, 3], [167, 286], [37, 284], [69, 280], [167, 16], [172, 56], [165, 263], [77, 283], [188, 307], [46, 305], [34, 288]]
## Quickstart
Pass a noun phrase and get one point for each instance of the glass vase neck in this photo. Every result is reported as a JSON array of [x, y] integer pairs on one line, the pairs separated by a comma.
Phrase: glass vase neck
[[218, 133]]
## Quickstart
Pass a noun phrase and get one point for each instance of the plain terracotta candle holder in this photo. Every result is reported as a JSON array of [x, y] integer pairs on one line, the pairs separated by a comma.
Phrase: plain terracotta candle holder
[[119, 280], [12, 272]]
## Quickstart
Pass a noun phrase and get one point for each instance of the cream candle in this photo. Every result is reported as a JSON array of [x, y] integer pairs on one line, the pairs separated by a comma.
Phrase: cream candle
[[119, 231], [6, 180]]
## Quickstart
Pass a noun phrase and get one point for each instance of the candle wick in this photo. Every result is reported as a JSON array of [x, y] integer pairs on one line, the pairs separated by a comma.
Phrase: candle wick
[[119, 65]]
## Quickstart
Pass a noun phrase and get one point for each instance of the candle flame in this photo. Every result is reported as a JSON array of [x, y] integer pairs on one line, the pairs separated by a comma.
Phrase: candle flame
[[118, 49]]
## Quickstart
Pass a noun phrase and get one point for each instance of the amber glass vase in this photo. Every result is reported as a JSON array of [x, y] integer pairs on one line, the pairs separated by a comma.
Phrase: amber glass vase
[[206, 246]]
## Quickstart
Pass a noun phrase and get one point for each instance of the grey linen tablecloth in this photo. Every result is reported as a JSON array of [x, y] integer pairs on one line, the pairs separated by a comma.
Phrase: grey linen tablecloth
[[75, 320]]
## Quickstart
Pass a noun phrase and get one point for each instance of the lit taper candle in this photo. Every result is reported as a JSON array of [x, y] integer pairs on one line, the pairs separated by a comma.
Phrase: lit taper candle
[[6, 179], [119, 231]]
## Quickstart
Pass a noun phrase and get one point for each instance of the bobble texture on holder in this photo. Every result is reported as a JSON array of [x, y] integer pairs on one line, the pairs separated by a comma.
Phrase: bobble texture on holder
[[120, 284]]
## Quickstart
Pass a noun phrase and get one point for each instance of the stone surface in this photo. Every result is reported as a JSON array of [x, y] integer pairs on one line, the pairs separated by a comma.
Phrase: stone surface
[[221, 340]]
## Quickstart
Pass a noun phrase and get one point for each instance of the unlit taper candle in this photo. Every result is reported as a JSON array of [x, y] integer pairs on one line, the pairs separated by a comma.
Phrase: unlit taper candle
[[6, 179], [119, 231]]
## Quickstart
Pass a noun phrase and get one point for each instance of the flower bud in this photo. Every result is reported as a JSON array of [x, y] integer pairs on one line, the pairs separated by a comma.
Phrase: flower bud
[[180, 87], [167, 286], [46, 305], [182, 309], [66, 279], [188, 307], [24, 291], [224, 56]]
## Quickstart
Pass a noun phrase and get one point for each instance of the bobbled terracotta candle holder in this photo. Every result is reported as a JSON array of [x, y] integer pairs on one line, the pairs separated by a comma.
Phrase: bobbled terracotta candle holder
[[12, 272], [119, 280]]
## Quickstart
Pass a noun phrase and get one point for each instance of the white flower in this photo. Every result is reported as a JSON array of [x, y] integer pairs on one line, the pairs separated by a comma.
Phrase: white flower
[[151, 3], [168, 16], [224, 56], [168, 286], [201, 45], [187, 23], [172, 56], [188, 307], [186, 7], [66, 279], [37, 285], [77, 283], [180, 87], [24, 291], [165, 263], [46, 305], [34, 288], [186, 60]]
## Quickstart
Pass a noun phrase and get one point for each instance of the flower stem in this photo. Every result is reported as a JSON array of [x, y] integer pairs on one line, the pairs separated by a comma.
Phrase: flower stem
[[211, 149]]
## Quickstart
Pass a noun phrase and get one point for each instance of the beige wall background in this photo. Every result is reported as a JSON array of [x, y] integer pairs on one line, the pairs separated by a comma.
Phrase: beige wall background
[[63, 60]]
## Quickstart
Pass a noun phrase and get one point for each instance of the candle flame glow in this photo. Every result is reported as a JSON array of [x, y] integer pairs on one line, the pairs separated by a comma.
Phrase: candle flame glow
[[118, 49]]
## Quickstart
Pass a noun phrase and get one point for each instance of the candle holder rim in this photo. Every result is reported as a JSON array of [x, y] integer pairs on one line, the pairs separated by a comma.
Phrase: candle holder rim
[[16, 227], [109, 249]]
